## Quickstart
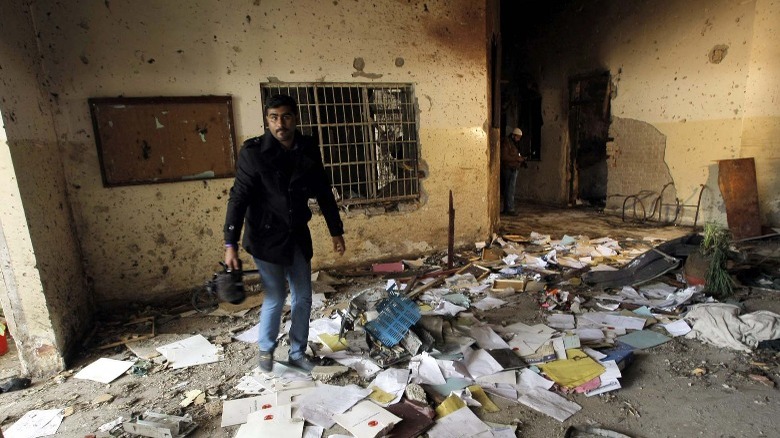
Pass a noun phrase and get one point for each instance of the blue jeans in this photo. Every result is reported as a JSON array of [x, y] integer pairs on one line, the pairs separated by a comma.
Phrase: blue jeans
[[273, 277], [508, 185]]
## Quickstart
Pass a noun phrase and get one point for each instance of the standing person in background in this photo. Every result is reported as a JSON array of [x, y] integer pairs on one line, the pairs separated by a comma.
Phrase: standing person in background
[[511, 160], [276, 175]]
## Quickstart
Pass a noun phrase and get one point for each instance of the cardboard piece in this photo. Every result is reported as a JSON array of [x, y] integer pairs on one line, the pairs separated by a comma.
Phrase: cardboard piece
[[413, 421], [643, 339]]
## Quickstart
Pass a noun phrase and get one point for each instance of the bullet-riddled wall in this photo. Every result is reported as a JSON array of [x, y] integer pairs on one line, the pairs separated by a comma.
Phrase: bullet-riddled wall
[[42, 289], [144, 242], [695, 81]]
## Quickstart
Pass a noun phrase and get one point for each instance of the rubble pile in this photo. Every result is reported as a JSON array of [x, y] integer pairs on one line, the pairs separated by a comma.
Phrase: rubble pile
[[414, 348]]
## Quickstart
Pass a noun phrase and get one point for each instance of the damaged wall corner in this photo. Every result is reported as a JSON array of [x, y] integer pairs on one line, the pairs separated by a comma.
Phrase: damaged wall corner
[[44, 293]]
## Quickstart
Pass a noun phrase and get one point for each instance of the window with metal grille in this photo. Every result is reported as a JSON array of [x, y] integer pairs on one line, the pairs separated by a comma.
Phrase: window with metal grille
[[367, 135]]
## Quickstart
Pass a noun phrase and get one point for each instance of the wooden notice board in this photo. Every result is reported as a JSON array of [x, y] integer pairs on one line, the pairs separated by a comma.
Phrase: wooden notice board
[[144, 140]]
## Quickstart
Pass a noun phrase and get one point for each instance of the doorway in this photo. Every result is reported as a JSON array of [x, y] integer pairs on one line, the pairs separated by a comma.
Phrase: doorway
[[589, 119]]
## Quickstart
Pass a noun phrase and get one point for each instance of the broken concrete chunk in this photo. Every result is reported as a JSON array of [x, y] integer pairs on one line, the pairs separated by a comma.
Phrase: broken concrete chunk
[[102, 398], [325, 373], [416, 393]]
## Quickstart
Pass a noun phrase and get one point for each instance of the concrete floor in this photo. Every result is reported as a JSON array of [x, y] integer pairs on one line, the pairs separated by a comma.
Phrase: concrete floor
[[588, 221]]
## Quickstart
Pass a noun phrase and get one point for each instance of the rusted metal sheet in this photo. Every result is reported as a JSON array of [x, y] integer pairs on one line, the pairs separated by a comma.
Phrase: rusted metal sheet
[[737, 182]]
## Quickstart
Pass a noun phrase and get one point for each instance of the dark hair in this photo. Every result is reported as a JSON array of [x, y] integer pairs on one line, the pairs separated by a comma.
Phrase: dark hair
[[280, 100]]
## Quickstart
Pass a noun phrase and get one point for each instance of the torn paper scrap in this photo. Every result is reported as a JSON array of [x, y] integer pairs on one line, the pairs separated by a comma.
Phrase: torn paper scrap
[[104, 370]]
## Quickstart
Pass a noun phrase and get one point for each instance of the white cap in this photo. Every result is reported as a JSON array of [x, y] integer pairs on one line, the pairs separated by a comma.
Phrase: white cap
[[517, 131]]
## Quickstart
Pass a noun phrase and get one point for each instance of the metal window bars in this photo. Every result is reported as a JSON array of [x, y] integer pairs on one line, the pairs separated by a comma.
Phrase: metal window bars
[[367, 135]]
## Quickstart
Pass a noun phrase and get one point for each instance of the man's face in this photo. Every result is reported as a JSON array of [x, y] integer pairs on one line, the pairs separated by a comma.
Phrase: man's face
[[282, 122], [516, 137]]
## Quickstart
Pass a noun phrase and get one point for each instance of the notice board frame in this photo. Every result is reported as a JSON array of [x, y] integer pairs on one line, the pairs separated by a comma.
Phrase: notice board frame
[[134, 147]]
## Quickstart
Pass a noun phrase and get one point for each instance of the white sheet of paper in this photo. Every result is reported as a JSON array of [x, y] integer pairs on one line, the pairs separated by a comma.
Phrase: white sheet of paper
[[251, 335], [236, 411], [480, 363], [559, 347], [324, 325], [36, 423], [450, 369], [606, 386], [251, 385], [504, 390], [527, 338], [561, 321], [273, 422], [319, 405], [460, 424], [626, 322], [195, 350], [549, 403], [288, 396], [488, 303], [509, 377], [677, 328], [366, 420], [444, 307], [392, 381], [589, 334], [426, 370], [365, 368], [488, 339], [611, 371], [595, 355], [313, 431], [528, 380], [104, 370]]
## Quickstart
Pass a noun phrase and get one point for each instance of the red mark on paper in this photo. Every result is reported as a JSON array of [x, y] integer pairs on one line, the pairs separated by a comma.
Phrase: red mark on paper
[[373, 423], [268, 417]]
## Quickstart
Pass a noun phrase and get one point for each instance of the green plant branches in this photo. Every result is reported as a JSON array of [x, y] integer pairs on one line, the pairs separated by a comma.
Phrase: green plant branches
[[715, 246]]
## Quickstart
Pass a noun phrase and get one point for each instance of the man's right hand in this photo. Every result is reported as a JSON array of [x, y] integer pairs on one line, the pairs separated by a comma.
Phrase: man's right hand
[[232, 262]]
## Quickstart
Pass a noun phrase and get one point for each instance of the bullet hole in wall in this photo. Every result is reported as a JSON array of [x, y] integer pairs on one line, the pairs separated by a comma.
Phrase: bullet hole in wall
[[718, 53]]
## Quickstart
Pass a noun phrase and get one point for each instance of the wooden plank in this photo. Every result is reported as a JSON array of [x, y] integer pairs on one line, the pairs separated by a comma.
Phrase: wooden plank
[[737, 182]]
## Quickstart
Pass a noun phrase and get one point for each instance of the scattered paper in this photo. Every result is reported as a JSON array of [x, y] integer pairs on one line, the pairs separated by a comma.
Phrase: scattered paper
[[36, 423], [561, 321], [104, 370], [488, 303], [392, 381], [486, 338], [677, 328], [195, 350], [426, 370], [236, 411], [480, 363], [276, 422], [321, 404]]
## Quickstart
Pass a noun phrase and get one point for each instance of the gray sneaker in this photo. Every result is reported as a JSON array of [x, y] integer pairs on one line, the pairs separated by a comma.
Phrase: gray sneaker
[[303, 363], [266, 361]]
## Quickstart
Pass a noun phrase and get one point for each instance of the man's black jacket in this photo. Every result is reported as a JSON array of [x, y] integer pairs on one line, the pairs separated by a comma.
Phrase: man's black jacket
[[276, 212]]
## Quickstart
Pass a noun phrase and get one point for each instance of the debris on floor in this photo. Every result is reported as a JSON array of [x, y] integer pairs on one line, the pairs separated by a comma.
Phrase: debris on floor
[[416, 347]]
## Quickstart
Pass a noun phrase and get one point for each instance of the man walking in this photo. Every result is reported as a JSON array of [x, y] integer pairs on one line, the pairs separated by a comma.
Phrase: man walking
[[276, 174]]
